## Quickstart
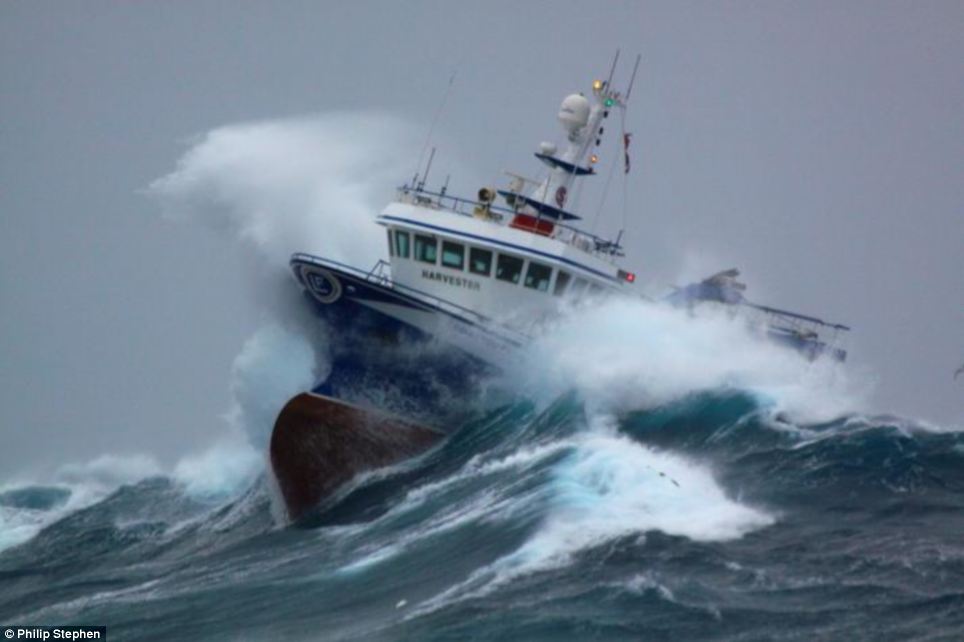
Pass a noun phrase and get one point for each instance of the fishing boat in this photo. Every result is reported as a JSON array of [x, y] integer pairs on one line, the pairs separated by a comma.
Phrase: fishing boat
[[467, 283]]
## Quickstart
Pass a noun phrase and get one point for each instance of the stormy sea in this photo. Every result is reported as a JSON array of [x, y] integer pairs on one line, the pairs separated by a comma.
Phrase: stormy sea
[[707, 518], [651, 477]]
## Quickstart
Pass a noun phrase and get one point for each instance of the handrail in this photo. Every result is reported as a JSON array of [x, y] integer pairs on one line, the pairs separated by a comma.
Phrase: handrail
[[796, 315], [375, 275], [599, 245], [456, 200]]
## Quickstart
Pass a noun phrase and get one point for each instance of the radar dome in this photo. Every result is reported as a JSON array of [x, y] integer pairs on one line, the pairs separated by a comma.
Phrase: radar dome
[[574, 112]]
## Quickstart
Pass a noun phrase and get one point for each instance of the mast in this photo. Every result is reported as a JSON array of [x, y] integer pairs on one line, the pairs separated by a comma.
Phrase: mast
[[582, 120]]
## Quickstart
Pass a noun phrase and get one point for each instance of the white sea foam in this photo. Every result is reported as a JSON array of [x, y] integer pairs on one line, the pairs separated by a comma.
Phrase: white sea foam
[[213, 476], [219, 473], [307, 184], [87, 483], [627, 354], [494, 503], [19, 525], [310, 184], [480, 466], [643, 582], [108, 471], [611, 487], [274, 364]]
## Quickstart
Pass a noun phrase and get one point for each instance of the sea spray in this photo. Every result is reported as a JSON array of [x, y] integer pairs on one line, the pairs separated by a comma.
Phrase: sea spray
[[274, 364], [306, 184], [624, 354], [274, 187], [221, 472], [277, 187]]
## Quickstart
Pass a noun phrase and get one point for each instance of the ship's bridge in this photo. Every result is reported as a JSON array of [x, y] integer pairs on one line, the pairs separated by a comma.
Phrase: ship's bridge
[[518, 256], [500, 262]]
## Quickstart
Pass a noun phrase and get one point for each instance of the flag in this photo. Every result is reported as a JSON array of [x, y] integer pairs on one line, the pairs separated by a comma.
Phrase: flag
[[626, 138]]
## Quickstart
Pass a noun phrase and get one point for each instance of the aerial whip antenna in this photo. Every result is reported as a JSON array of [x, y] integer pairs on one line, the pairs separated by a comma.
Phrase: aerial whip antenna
[[428, 167], [612, 69], [632, 78], [438, 113]]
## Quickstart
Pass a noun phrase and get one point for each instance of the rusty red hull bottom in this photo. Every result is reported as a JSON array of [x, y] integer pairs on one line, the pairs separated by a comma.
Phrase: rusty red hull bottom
[[319, 443]]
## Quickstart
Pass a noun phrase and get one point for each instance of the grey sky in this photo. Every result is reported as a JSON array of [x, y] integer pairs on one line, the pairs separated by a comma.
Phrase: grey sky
[[817, 146]]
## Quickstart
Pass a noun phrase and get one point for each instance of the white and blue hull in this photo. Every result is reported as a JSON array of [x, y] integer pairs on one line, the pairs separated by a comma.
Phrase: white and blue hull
[[397, 349]]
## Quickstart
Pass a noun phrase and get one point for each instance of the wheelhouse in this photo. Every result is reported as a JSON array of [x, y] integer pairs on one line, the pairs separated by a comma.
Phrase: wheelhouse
[[515, 252], [496, 270]]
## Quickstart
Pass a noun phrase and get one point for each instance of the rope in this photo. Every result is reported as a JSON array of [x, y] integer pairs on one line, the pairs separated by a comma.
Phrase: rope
[[622, 125]]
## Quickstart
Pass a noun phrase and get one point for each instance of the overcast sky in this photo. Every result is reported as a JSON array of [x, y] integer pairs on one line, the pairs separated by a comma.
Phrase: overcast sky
[[815, 145]]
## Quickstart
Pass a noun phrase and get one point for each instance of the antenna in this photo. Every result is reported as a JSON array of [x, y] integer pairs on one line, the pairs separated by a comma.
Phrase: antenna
[[438, 112], [612, 70], [632, 78], [428, 166]]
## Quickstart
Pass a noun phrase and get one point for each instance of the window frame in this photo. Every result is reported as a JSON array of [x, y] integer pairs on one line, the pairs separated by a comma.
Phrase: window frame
[[563, 278], [406, 246], [461, 255], [518, 272], [424, 241], [534, 284], [488, 261]]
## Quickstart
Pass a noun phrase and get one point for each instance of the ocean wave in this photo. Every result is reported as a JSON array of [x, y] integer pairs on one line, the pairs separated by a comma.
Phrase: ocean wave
[[708, 506], [610, 487], [643, 355]]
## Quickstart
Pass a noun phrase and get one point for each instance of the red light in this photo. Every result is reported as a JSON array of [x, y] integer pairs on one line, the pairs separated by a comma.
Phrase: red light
[[630, 277]]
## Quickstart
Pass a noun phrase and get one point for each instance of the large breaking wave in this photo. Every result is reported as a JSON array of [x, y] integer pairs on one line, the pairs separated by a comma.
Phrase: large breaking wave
[[704, 517]]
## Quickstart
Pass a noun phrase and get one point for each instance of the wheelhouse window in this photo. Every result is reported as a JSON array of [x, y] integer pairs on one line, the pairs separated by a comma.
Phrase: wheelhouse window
[[508, 268], [453, 255], [562, 280], [401, 244], [426, 249], [480, 261], [538, 276]]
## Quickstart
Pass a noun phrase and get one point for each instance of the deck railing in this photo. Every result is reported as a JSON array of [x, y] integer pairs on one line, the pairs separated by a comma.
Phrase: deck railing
[[569, 234]]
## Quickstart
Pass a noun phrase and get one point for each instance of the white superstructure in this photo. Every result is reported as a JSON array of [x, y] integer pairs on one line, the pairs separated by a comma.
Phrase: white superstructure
[[510, 255]]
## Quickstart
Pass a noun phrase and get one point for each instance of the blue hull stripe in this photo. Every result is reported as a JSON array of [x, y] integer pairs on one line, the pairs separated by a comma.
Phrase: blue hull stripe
[[367, 291], [518, 248]]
